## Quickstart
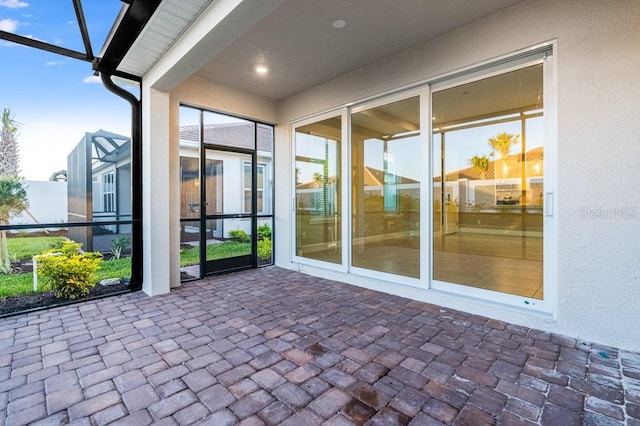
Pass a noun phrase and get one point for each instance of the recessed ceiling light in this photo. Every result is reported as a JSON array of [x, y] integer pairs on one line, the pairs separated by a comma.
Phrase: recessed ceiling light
[[261, 69], [338, 24]]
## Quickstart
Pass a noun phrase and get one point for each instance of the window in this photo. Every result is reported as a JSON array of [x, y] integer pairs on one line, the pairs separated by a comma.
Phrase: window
[[109, 192]]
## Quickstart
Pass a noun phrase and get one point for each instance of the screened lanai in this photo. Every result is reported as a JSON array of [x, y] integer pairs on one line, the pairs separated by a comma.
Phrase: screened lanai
[[80, 161]]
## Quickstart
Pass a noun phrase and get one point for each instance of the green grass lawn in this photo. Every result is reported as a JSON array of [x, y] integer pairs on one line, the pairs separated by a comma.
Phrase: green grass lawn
[[191, 256], [114, 268], [27, 247], [15, 284]]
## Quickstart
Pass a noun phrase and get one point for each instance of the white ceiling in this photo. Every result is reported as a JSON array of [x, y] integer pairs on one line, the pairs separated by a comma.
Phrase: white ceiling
[[302, 49]]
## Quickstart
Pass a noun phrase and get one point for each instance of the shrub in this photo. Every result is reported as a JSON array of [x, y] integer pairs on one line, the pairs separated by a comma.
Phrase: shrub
[[264, 249], [118, 245], [69, 271], [264, 231], [239, 235]]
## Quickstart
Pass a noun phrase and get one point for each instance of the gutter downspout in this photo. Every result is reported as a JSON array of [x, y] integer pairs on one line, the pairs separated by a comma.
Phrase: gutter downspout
[[136, 178]]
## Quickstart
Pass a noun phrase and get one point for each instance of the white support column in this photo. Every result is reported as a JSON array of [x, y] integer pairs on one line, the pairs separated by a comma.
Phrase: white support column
[[156, 217]]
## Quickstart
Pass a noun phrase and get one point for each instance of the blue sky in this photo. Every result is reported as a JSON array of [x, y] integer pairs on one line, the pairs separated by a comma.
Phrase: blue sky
[[56, 99]]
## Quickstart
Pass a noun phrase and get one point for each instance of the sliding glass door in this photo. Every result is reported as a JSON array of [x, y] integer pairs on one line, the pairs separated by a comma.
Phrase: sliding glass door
[[488, 175], [477, 228]]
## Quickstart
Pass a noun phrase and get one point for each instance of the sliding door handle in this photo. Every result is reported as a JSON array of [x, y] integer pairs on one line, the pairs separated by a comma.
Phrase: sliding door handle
[[548, 204]]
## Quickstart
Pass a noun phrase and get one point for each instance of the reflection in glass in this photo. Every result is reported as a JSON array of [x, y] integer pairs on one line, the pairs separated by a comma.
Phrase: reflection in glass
[[318, 204], [386, 188], [488, 183]]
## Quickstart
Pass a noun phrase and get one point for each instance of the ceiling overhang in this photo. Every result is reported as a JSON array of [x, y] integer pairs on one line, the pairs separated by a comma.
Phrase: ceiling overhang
[[223, 40]]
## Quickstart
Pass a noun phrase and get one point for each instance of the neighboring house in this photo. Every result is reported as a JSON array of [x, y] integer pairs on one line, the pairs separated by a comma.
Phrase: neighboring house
[[106, 158], [99, 188], [225, 174], [424, 84]]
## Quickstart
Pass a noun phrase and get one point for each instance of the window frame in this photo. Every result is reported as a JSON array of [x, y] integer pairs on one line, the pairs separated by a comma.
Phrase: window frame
[[109, 192]]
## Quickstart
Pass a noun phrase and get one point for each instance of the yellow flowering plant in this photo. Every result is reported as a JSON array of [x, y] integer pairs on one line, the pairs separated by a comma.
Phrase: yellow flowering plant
[[68, 270]]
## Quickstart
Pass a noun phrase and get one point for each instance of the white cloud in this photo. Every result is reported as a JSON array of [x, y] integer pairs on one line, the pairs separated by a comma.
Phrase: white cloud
[[8, 25], [92, 79], [13, 4], [54, 63]]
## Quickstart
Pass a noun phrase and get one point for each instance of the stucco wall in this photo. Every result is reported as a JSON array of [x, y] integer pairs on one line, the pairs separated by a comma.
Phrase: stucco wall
[[598, 132]]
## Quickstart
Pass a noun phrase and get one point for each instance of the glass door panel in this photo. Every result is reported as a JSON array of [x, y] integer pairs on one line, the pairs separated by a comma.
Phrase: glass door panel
[[318, 191], [386, 147], [488, 157], [229, 211], [190, 206]]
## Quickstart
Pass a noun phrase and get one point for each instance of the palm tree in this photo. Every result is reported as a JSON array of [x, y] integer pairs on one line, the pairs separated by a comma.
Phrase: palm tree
[[480, 163], [502, 142], [13, 194], [9, 155], [501, 145]]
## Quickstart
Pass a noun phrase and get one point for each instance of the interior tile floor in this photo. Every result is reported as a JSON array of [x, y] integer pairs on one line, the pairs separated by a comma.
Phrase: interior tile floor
[[272, 346]]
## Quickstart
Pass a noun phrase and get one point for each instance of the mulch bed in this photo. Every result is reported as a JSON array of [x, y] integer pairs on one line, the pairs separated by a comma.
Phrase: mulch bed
[[14, 304]]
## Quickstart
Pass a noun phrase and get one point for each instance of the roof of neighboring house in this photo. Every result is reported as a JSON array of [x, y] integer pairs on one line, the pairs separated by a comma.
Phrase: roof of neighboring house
[[372, 177], [532, 156], [238, 135], [108, 146], [59, 176]]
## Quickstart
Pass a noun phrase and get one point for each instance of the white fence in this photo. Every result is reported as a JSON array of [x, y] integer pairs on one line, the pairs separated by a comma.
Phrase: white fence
[[47, 203]]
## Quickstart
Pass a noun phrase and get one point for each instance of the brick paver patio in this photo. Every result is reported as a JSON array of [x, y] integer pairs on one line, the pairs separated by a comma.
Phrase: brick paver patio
[[272, 346]]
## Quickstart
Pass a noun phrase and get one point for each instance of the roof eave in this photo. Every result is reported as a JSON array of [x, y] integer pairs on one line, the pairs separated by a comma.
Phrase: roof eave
[[131, 20]]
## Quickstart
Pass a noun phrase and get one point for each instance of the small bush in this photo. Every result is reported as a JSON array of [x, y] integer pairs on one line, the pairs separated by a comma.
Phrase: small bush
[[264, 249], [118, 245], [264, 231], [240, 236], [68, 271]]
